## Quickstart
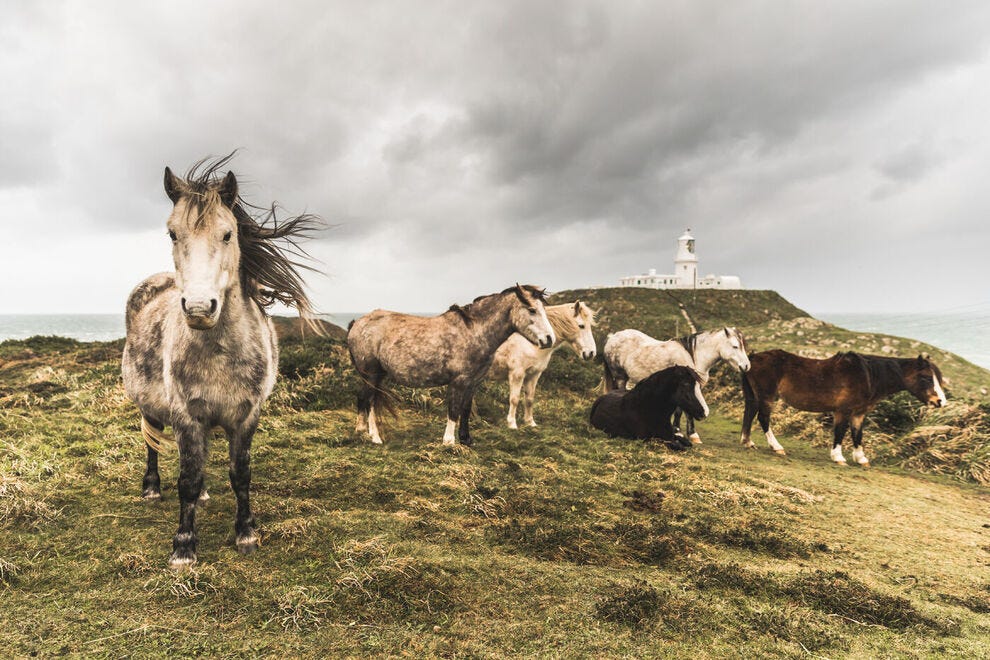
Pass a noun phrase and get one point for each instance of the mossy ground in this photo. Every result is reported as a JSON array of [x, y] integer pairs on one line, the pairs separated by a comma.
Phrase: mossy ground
[[547, 541]]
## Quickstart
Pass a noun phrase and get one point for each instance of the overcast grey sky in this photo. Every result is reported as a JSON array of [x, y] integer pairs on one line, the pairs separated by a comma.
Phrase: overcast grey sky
[[834, 151]]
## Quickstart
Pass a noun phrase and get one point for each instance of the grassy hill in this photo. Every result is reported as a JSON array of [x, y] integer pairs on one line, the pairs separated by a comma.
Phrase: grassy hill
[[548, 541]]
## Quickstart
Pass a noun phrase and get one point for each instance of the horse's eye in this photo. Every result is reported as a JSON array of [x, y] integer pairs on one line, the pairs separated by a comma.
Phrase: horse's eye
[[580, 326], [226, 237], [171, 234], [532, 310]]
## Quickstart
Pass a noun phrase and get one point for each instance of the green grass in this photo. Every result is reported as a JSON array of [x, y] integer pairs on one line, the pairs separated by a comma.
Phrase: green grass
[[549, 541]]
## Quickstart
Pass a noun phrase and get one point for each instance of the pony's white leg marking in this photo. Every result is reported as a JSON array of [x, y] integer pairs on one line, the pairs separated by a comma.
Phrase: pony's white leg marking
[[746, 442], [695, 438], [837, 456], [774, 445], [859, 456], [448, 434], [204, 496], [373, 427], [938, 390]]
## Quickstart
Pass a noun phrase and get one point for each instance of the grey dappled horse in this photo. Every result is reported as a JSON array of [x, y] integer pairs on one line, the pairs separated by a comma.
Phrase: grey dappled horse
[[200, 349], [454, 349]]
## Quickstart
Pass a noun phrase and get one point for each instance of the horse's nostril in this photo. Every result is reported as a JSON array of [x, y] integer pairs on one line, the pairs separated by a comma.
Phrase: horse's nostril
[[213, 305], [183, 304]]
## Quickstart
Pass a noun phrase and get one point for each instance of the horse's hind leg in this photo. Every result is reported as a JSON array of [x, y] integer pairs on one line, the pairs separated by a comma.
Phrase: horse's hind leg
[[463, 428], [367, 397], [151, 486], [240, 482], [840, 423], [856, 424]]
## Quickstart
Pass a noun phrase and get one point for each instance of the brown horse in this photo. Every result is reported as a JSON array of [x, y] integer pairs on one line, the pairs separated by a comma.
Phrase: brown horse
[[848, 385]]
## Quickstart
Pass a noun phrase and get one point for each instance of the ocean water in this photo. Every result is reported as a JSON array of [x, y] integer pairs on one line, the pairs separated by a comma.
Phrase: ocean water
[[965, 334]]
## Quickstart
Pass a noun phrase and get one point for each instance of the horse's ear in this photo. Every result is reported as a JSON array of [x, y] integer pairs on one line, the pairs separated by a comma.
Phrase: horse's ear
[[521, 294], [228, 190], [577, 308], [174, 187], [727, 332]]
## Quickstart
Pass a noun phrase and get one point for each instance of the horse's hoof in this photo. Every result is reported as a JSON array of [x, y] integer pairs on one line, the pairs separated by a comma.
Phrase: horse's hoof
[[181, 559], [152, 495], [204, 497], [841, 463], [864, 464], [780, 452], [531, 424], [377, 441], [749, 445], [467, 442], [513, 425], [247, 545], [695, 439]]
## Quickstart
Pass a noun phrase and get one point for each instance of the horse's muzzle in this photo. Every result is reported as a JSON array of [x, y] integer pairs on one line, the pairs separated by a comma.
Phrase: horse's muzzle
[[200, 315], [546, 342], [587, 355]]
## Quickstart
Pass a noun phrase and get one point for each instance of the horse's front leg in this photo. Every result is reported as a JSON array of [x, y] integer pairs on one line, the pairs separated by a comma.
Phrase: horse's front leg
[[692, 434], [839, 427], [515, 387], [856, 424], [529, 395], [240, 482], [190, 435], [763, 414]]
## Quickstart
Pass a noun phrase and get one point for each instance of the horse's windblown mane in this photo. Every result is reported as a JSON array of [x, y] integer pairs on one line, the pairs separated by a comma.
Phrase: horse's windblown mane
[[690, 343], [271, 256]]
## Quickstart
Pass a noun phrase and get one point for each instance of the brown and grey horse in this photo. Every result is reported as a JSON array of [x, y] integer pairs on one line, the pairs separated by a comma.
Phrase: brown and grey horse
[[200, 350], [848, 385], [454, 349]]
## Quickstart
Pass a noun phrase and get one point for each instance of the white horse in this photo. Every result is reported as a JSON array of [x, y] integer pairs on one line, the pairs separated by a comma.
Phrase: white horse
[[631, 356], [524, 363]]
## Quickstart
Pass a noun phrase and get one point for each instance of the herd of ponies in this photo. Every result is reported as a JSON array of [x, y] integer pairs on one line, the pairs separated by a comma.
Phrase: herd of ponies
[[201, 353]]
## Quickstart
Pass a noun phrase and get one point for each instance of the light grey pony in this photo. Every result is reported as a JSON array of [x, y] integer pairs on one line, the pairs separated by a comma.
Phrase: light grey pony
[[524, 363], [454, 349], [200, 349], [631, 356]]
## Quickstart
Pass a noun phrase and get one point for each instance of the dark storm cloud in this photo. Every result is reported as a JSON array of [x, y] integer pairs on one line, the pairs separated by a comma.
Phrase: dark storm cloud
[[569, 142]]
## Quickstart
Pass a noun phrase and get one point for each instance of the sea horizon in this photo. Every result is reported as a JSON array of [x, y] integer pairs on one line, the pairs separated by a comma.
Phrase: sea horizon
[[958, 333]]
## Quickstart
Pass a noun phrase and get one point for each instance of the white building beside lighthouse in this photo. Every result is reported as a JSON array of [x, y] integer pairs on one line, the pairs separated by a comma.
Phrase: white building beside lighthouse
[[685, 272]]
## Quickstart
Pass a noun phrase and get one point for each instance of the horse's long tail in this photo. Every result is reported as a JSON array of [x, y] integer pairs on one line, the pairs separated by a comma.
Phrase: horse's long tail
[[157, 440], [610, 383]]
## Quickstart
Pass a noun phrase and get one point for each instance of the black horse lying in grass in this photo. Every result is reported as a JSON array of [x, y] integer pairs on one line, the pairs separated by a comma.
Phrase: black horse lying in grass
[[644, 412]]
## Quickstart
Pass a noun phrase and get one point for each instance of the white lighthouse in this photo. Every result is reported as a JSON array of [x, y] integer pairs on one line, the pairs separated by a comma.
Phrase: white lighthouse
[[685, 274], [686, 262]]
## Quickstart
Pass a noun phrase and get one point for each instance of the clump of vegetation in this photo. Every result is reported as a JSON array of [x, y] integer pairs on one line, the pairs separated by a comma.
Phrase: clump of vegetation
[[835, 592], [642, 606]]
